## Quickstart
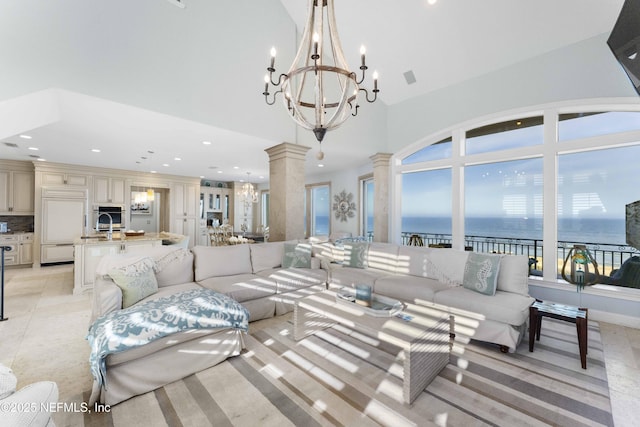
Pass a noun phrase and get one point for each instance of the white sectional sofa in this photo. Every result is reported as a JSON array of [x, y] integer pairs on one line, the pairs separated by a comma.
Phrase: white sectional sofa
[[250, 274], [267, 279], [425, 276]]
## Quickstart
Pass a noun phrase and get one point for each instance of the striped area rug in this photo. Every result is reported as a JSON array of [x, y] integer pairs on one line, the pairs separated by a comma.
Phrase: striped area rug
[[338, 378]]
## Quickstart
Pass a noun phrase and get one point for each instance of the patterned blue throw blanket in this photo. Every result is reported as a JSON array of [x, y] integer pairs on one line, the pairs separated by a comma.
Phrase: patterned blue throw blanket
[[141, 324]]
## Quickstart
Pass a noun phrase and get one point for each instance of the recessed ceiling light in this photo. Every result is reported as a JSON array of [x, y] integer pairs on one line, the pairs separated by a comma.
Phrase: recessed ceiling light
[[201, 176], [236, 167], [33, 148], [320, 165], [95, 150], [206, 142], [219, 171], [154, 172], [25, 136], [40, 159], [177, 158], [166, 165]]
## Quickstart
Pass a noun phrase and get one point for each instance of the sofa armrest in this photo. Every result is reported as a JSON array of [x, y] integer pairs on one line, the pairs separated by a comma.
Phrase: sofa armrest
[[107, 297]]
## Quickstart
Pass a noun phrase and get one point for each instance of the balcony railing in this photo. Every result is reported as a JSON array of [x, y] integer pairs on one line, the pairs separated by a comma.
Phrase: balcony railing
[[608, 256]]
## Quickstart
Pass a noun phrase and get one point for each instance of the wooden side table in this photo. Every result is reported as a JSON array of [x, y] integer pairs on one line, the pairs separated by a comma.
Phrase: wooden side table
[[577, 315]]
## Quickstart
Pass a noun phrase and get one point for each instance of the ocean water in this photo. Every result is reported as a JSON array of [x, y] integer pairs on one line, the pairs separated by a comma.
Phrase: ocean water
[[584, 230]]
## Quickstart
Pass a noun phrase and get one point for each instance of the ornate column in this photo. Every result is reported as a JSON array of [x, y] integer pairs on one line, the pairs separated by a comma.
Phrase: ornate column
[[286, 191], [381, 170]]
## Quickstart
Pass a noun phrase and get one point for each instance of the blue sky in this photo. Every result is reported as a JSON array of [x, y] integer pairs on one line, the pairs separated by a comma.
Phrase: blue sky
[[594, 184]]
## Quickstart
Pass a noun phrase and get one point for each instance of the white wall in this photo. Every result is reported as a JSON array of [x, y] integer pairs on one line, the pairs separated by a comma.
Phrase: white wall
[[583, 70]]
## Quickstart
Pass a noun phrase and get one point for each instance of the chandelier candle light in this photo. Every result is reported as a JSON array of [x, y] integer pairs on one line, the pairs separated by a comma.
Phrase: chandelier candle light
[[320, 92]]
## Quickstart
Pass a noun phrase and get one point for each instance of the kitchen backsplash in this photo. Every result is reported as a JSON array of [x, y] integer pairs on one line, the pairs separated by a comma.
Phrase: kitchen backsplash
[[18, 223]]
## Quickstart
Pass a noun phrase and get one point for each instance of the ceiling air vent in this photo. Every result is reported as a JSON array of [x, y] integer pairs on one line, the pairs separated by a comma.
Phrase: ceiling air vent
[[410, 77], [11, 144], [34, 156]]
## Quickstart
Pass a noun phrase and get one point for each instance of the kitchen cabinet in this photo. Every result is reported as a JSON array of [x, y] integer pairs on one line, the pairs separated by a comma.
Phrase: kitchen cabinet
[[185, 201], [16, 192], [50, 178], [215, 203], [108, 190], [21, 248], [25, 250], [87, 255], [64, 218]]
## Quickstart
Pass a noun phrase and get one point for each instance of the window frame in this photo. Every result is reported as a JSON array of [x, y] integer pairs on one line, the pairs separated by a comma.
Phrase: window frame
[[308, 207], [549, 151]]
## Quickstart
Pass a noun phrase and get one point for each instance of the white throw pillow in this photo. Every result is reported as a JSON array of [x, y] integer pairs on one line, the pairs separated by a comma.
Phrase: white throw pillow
[[514, 274]]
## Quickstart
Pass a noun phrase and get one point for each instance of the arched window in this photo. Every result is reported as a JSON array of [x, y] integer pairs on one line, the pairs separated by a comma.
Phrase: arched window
[[530, 184]]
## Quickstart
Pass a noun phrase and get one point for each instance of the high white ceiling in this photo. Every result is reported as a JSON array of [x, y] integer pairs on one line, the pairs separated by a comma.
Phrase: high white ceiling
[[442, 44]]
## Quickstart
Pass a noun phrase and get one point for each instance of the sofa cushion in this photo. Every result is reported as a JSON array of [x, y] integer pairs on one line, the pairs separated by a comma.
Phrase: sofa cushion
[[296, 255], [408, 288], [212, 261], [289, 279], [514, 274], [414, 260], [265, 256], [173, 264], [355, 254], [481, 273], [448, 265], [241, 287], [347, 276], [137, 281], [503, 307], [174, 267], [382, 256]]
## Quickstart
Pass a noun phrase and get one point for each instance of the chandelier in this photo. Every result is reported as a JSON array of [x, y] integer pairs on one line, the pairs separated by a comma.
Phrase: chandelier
[[320, 92], [248, 193]]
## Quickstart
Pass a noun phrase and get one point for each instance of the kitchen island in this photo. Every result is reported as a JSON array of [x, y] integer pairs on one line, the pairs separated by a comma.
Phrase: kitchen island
[[88, 250]]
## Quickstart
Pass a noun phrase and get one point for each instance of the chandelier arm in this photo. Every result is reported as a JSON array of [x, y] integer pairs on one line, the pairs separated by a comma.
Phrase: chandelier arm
[[364, 70], [375, 95], [266, 97], [355, 110], [280, 79]]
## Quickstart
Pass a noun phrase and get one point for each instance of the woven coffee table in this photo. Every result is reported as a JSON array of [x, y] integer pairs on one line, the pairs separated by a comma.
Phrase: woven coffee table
[[425, 336]]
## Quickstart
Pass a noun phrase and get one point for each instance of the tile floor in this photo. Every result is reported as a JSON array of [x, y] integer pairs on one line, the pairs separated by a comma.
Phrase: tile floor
[[47, 322]]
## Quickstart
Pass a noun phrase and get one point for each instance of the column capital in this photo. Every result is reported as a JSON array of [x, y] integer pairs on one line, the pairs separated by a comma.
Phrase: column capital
[[288, 150], [381, 159]]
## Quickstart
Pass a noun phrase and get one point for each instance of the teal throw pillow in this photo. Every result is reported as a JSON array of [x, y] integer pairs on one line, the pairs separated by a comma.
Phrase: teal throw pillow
[[296, 255], [481, 273], [137, 281], [355, 254]]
